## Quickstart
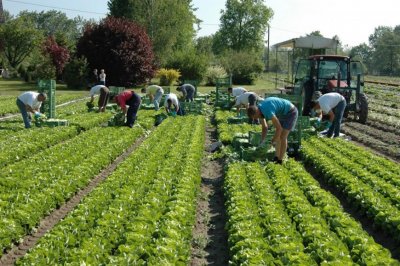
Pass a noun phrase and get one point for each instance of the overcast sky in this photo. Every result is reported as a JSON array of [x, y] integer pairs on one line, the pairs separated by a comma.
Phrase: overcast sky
[[352, 20]]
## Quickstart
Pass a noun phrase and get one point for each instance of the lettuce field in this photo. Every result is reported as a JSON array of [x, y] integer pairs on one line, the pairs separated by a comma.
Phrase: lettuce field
[[92, 194]]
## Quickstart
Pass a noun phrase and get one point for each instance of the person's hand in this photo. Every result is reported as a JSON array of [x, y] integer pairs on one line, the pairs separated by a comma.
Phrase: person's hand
[[37, 115], [328, 124]]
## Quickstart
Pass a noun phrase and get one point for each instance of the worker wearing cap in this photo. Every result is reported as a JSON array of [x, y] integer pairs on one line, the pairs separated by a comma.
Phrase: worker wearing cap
[[154, 92], [104, 92], [171, 105], [283, 115], [188, 91], [30, 102], [247, 99], [131, 99], [332, 104], [236, 91]]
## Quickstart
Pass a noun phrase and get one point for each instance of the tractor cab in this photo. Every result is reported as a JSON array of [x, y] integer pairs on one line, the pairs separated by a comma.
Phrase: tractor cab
[[332, 73]]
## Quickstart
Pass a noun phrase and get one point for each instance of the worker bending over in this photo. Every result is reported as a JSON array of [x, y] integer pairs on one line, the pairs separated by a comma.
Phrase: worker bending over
[[172, 106], [29, 103], [246, 100], [131, 99], [154, 92], [188, 91], [104, 93]]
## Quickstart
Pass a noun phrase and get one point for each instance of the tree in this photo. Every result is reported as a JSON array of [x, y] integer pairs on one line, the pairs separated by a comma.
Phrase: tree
[[120, 47], [169, 23], [18, 38], [243, 26], [58, 54]]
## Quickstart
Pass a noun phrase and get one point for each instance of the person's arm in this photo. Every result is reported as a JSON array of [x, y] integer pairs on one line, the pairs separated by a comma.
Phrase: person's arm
[[264, 130], [331, 116], [92, 98], [29, 108], [278, 129], [176, 107]]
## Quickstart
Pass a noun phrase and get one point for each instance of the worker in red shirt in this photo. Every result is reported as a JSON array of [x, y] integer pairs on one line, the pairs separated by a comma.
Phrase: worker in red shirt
[[131, 99]]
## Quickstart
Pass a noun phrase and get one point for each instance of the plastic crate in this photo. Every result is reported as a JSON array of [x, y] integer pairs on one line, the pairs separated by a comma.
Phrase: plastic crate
[[237, 143], [237, 120], [254, 138], [257, 154], [191, 107], [55, 122]]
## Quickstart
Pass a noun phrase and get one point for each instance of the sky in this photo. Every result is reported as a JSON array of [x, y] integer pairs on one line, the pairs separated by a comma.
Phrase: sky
[[353, 21]]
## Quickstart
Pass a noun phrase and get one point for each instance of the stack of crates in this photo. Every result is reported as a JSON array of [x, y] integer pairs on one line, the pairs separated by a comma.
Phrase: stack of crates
[[115, 90], [222, 97], [191, 107], [241, 118], [48, 107]]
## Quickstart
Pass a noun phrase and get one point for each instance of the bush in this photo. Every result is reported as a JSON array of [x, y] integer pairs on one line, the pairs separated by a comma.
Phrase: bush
[[168, 76], [45, 69], [214, 72], [244, 66], [121, 48], [76, 73], [192, 66]]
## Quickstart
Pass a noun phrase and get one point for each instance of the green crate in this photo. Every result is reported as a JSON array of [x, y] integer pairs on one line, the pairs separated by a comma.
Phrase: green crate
[[237, 143], [254, 138], [257, 153], [55, 122], [111, 106], [237, 120], [147, 106], [191, 107]]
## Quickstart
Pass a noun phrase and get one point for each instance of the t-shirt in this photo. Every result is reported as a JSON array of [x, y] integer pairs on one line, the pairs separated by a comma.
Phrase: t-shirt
[[30, 98], [243, 99], [188, 88], [174, 99], [329, 101], [274, 106], [96, 89], [152, 89], [238, 91], [102, 77]]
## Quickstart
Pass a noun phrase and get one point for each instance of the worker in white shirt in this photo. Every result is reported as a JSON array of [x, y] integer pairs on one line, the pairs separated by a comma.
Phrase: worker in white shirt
[[30, 102], [154, 92], [332, 104], [247, 99], [172, 106], [104, 93], [236, 91]]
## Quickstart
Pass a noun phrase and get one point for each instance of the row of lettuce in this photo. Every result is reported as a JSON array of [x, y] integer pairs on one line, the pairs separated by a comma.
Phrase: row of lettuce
[[279, 215], [142, 213]]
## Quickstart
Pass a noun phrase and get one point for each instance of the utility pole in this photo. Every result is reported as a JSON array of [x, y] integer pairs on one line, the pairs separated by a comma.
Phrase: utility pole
[[2, 19]]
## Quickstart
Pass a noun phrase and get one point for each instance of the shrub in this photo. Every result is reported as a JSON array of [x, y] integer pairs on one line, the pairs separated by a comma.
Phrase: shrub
[[121, 48], [191, 65], [76, 73], [214, 72], [168, 76]]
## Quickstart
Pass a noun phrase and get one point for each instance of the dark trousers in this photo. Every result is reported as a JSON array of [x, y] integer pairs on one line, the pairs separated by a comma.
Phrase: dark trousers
[[103, 99], [134, 104]]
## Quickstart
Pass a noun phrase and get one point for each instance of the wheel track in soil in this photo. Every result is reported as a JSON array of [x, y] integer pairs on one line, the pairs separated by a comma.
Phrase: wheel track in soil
[[47, 223]]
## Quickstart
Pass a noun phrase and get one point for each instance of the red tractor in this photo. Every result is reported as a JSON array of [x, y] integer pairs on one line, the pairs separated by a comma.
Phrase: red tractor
[[332, 73]]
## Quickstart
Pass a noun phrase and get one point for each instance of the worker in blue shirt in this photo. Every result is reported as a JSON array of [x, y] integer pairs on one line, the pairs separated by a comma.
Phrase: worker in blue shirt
[[283, 115]]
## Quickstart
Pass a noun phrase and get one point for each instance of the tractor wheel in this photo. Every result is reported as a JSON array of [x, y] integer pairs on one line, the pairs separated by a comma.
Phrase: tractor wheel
[[362, 113]]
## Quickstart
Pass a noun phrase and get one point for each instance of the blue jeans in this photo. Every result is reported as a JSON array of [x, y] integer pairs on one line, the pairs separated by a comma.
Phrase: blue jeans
[[157, 99], [334, 129], [24, 113], [134, 104]]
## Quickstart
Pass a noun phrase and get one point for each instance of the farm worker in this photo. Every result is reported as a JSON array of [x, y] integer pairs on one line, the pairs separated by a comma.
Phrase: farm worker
[[103, 99], [95, 77], [188, 91], [171, 104], [133, 100], [332, 104], [247, 99], [30, 102], [236, 91], [155, 93], [102, 77], [283, 115]]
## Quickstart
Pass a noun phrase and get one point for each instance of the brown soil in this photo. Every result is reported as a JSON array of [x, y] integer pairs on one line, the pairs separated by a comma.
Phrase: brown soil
[[210, 239], [29, 241]]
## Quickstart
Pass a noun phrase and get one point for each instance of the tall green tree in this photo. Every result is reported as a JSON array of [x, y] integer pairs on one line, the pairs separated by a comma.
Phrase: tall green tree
[[169, 23], [18, 39], [243, 25]]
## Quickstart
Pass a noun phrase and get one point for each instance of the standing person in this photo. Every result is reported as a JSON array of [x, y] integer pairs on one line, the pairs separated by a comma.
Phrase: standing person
[[188, 91], [246, 100], [283, 115], [332, 104], [133, 100], [102, 77], [171, 105], [30, 102], [236, 91], [95, 77], [104, 94], [155, 93]]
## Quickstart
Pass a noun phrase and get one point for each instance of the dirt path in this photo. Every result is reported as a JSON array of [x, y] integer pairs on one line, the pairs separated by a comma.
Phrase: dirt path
[[210, 239], [52, 219]]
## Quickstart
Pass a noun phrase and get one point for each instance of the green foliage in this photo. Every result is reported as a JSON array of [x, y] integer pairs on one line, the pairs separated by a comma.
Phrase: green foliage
[[244, 66], [76, 73], [169, 23], [191, 65], [214, 72], [45, 69], [243, 25], [18, 39], [168, 76]]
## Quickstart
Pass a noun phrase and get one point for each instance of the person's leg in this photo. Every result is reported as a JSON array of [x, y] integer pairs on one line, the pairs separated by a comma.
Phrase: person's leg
[[103, 99], [134, 104], [157, 100], [24, 113], [283, 144], [338, 117]]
